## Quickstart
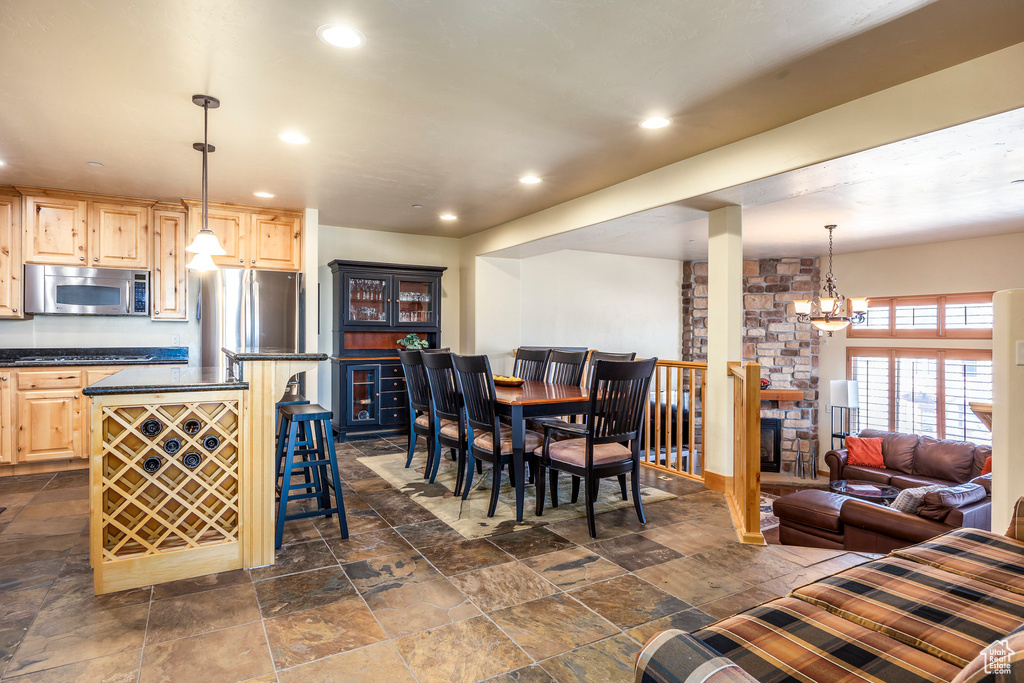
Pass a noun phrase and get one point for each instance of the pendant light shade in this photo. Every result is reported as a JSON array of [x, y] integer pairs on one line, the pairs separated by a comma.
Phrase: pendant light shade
[[201, 263], [205, 245]]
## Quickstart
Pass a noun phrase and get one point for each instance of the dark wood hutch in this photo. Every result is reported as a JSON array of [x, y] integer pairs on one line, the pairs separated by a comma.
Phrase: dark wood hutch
[[375, 305]]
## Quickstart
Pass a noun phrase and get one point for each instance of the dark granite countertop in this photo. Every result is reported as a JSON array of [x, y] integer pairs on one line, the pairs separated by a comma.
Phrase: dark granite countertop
[[163, 380], [124, 355], [270, 353]]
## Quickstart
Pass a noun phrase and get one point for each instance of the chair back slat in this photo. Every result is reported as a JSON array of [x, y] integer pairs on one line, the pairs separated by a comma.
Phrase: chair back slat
[[565, 367], [415, 379], [530, 364], [476, 384], [441, 379], [618, 390]]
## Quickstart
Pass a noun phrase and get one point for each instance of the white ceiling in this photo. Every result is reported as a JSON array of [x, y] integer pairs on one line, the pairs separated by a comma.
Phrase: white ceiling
[[449, 102], [948, 185]]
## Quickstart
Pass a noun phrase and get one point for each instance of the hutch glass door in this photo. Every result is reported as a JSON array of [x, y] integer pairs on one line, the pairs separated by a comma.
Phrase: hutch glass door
[[416, 300], [368, 298]]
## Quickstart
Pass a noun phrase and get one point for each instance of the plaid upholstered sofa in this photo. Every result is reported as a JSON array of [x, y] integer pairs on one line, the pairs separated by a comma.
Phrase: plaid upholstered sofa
[[948, 609]]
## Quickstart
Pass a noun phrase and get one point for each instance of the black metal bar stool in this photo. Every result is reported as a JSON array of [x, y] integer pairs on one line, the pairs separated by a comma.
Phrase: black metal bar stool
[[312, 452]]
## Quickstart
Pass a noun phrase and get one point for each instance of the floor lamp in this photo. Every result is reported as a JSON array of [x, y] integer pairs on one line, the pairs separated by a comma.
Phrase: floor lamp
[[845, 398]]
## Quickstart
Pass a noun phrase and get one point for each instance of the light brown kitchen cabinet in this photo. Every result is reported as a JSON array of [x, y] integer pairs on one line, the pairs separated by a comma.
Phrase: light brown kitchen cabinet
[[6, 417], [10, 257], [169, 259], [55, 231], [118, 235], [275, 242], [228, 223], [51, 425], [252, 237]]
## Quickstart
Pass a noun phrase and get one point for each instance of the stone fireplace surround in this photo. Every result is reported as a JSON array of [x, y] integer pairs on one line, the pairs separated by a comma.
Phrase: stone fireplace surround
[[787, 350]]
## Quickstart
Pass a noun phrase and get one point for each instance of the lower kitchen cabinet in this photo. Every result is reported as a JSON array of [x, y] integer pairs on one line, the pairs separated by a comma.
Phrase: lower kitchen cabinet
[[45, 418], [6, 417], [51, 425], [369, 396]]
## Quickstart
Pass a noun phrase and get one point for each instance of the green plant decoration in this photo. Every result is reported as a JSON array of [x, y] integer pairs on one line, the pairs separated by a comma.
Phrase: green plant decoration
[[412, 342]]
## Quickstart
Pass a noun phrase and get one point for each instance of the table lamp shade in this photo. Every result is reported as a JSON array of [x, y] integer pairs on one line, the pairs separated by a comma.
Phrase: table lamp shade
[[845, 393]]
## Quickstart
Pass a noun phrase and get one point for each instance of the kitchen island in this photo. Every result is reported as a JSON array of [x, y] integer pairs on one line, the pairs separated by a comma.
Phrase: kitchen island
[[182, 469]]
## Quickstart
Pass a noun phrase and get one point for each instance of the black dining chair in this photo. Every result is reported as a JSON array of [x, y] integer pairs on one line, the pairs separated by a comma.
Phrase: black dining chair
[[492, 440], [530, 364], [447, 405], [561, 367], [421, 418], [608, 445], [565, 367], [604, 355]]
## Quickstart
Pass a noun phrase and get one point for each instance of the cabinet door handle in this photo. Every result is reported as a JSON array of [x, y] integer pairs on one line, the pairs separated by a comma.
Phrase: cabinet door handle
[[14, 310], [81, 258], [241, 260], [254, 260], [76, 397], [3, 379], [95, 258]]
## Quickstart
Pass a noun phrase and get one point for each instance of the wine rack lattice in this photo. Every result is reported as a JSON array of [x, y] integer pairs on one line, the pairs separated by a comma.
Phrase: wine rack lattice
[[175, 507]]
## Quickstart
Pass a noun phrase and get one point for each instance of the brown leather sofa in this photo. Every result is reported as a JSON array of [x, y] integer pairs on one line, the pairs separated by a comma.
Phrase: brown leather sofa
[[821, 519], [912, 460]]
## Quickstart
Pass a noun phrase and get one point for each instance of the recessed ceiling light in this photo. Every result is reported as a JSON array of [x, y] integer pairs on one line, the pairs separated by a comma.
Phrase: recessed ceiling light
[[417, 206], [1012, 182], [264, 195], [292, 137], [530, 180], [2, 162], [448, 216], [94, 163], [655, 122], [340, 35]]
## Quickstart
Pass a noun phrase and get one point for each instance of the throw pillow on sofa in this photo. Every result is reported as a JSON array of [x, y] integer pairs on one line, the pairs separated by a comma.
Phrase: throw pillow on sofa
[[938, 504], [909, 500], [866, 451], [987, 467]]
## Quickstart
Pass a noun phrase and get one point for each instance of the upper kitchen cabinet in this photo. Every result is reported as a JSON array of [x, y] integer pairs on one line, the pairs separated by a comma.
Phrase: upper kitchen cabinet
[[10, 256], [252, 237], [55, 231], [229, 223], [77, 229], [276, 241], [169, 259], [118, 236]]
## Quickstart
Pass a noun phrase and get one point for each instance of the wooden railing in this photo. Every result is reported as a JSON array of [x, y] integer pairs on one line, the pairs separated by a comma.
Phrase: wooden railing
[[673, 427], [745, 496]]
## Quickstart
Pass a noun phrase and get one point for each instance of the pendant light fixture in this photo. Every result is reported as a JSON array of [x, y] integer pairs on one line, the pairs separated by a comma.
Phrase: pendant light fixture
[[205, 245], [826, 312]]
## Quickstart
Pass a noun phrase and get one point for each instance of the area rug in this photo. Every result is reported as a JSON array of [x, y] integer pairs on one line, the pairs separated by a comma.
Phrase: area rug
[[469, 517], [768, 518]]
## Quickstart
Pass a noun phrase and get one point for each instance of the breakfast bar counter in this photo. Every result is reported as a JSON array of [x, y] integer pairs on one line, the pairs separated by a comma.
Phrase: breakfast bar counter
[[182, 469]]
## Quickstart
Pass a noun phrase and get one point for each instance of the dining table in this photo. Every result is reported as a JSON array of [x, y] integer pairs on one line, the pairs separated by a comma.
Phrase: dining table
[[534, 399]]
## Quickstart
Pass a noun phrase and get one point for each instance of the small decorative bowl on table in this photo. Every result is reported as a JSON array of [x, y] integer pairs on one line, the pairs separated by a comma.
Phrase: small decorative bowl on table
[[503, 381]]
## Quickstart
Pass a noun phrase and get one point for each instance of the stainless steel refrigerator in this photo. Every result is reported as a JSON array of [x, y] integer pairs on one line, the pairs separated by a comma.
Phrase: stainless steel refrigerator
[[246, 308]]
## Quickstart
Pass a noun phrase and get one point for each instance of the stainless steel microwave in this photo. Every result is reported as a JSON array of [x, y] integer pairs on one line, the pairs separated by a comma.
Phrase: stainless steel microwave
[[65, 290]]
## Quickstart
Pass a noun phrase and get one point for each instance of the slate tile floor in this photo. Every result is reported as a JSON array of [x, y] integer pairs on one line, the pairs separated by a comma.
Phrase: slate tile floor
[[405, 598]]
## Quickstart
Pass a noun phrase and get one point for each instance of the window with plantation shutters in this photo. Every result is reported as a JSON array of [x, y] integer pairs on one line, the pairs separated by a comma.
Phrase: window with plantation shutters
[[916, 403], [963, 316], [923, 391], [872, 375], [966, 380]]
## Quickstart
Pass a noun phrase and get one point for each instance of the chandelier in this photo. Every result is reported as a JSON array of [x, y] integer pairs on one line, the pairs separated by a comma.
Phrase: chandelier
[[205, 245], [826, 312]]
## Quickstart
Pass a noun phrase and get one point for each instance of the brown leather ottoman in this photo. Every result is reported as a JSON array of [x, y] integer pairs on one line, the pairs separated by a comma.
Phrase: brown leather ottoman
[[810, 518]]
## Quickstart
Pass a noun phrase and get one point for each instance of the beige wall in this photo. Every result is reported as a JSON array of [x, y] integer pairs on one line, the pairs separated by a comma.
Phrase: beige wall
[[973, 265], [602, 301], [352, 244], [496, 322]]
